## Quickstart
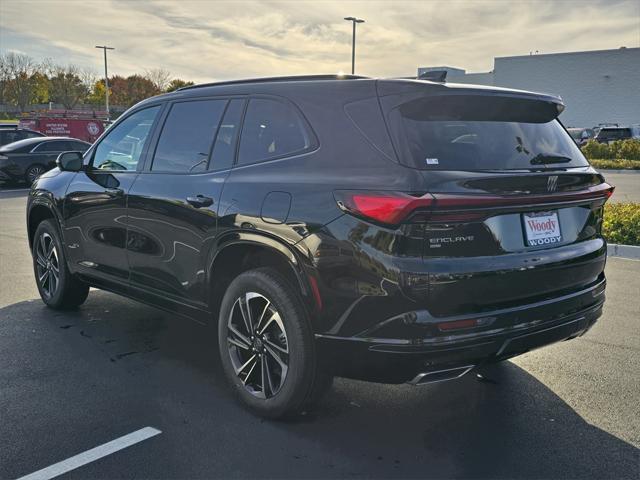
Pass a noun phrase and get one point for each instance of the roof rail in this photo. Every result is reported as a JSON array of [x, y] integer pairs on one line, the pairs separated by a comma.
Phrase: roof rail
[[294, 78]]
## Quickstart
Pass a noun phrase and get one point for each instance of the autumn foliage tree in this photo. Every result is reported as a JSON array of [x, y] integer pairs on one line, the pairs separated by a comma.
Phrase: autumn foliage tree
[[19, 79], [25, 82], [66, 86], [177, 83], [130, 90]]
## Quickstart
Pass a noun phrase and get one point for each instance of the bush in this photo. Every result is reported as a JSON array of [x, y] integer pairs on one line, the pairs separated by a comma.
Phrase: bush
[[593, 149], [629, 149], [621, 149], [622, 223], [615, 163]]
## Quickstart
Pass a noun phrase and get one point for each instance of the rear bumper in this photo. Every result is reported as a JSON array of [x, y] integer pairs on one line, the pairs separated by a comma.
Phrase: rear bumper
[[427, 354]]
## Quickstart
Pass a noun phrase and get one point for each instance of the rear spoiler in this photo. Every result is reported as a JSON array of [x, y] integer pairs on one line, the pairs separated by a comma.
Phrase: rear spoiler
[[439, 101]]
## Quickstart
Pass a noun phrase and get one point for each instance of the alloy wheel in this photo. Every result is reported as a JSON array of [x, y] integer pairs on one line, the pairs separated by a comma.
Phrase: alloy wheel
[[34, 173], [48, 266], [257, 344]]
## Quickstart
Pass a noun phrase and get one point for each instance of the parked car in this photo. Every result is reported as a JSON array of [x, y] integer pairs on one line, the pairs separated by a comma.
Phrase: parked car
[[10, 134], [25, 160], [386, 230], [581, 135], [610, 134]]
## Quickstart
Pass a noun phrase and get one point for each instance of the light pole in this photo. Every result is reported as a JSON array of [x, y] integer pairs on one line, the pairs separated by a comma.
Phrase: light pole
[[106, 77], [353, 20]]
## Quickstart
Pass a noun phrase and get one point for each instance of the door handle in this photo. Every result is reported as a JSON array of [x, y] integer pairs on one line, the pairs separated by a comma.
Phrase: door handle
[[200, 201], [114, 192]]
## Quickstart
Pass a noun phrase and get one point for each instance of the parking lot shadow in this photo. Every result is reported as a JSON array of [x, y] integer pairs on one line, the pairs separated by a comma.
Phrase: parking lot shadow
[[114, 365]]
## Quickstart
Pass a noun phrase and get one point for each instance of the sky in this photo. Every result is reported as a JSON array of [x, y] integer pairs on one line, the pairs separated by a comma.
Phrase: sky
[[217, 40]]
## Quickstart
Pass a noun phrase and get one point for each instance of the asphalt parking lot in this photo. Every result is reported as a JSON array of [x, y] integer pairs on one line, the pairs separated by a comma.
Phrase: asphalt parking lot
[[71, 381], [627, 186]]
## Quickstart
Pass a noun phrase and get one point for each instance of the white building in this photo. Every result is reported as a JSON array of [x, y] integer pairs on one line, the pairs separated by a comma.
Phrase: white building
[[601, 86]]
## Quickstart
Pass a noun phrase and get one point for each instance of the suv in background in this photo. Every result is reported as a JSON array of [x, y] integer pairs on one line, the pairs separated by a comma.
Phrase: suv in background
[[381, 229], [12, 133], [611, 134]]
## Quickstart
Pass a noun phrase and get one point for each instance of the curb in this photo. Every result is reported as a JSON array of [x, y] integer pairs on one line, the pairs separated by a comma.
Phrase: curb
[[604, 171], [623, 251]]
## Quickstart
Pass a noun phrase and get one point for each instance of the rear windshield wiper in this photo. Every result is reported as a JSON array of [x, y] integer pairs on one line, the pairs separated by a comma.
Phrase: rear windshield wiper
[[543, 159]]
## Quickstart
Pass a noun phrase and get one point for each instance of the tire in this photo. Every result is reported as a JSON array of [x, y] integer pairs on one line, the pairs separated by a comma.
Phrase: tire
[[284, 331], [58, 288], [33, 172]]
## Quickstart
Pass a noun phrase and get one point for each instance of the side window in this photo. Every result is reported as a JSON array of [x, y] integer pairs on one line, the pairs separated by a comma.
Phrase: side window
[[225, 146], [9, 137], [122, 147], [55, 146], [187, 136], [79, 147], [271, 129]]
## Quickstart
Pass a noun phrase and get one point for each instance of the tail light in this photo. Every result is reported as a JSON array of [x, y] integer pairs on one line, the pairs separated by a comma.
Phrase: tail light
[[392, 208], [389, 208]]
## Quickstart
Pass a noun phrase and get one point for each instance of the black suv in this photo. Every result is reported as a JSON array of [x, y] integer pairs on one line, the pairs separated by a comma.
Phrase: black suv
[[380, 229], [12, 133]]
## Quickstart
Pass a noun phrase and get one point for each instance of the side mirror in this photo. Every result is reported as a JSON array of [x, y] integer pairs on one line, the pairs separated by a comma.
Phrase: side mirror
[[69, 161]]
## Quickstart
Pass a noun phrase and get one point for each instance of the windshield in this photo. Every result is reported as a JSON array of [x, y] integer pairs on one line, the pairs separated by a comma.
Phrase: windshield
[[575, 133], [431, 141]]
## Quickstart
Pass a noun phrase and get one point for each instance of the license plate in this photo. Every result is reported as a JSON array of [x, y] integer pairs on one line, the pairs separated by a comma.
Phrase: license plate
[[542, 228]]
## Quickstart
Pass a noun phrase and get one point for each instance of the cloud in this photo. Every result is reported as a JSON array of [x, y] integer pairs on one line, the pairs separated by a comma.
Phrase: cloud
[[205, 41]]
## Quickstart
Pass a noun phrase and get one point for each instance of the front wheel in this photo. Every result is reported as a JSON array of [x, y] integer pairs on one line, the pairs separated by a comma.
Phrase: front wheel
[[267, 345], [58, 288]]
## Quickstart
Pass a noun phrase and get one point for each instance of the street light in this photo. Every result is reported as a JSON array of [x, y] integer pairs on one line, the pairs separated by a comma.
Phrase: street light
[[106, 77], [354, 20]]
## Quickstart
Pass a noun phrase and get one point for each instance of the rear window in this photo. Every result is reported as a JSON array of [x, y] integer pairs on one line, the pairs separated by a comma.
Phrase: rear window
[[615, 133], [441, 134]]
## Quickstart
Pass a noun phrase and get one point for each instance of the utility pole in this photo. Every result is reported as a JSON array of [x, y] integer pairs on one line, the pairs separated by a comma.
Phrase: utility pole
[[106, 76], [354, 20]]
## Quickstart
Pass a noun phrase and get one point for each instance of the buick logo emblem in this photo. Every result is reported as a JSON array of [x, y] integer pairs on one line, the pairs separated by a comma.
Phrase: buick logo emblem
[[552, 183]]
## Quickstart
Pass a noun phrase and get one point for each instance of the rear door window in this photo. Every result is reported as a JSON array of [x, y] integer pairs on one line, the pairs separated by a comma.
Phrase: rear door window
[[54, 146], [455, 134], [272, 129], [187, 136]]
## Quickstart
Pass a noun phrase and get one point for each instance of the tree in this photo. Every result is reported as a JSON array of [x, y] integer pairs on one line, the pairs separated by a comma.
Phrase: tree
[[177, 83], [140, 88], [20, 70], [67, 87], [118, 94], [131, 90], [159, 77], [40, 88], [97, 94], [5, 77]]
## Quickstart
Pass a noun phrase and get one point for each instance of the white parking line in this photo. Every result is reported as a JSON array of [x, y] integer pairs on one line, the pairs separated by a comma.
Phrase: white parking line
[[92, 455]]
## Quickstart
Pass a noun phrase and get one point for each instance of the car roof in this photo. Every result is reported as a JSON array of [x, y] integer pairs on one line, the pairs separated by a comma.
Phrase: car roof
[[315, 83], [36, 140], [16, 128]]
